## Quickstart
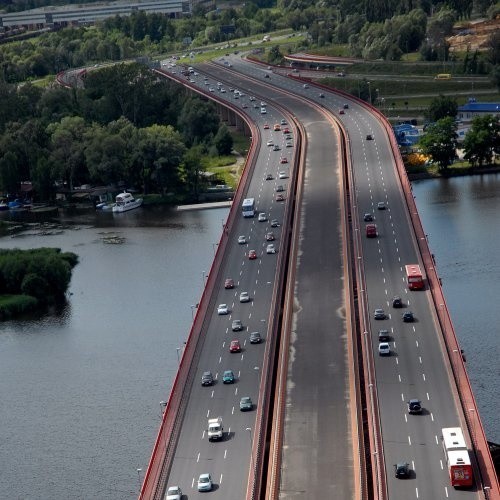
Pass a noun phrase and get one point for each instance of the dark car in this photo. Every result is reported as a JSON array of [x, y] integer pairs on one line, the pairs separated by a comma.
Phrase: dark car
[[280, 197], [346, 106], [255, 338], [379, 314], [414, 406], [207, 378], [269, 177], [246, 404], [371, 230], [279, 188], [236, 325], [397, 302], [369, 137], [402, 470], [368, 217], [408, 317], [383, 335]]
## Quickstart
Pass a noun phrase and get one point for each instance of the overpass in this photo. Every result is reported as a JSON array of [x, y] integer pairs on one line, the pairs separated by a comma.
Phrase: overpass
[[426, 360]]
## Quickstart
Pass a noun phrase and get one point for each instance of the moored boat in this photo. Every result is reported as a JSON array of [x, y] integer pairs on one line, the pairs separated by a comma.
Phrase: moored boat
[[125, 201]]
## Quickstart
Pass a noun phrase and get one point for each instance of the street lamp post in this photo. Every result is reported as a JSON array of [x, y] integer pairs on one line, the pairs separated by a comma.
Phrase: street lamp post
[[178, 356], [249, 429], [139, 478], [203, 276], [370, 92]]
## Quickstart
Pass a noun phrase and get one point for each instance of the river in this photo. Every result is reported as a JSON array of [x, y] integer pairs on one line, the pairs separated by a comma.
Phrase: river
[[81, 390]]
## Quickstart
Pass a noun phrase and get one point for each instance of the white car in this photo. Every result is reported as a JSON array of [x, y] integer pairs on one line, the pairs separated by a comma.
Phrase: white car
[[381, 205], [283, 121], [270, 248], [211, 89], [263, 104], [244, 297], [242, 239], [222, 90], [173, 493], [305, 86], [384, 349], [283, 175], [222, 309], [263, 111], [270, 143], [252, 98], [205, 482], [262, 217]]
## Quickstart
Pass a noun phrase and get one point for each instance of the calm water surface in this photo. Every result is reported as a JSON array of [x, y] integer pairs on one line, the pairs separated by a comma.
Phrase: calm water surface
[[80, 391], [460, 216]]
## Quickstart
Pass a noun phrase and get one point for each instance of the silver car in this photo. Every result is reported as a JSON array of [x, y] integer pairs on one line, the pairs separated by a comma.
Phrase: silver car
[[173, 493], [244, 297], [205, 482], [242, 240], [270, 248]]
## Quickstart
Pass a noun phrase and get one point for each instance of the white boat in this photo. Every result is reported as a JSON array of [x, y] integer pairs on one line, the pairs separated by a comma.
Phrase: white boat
[[125, 201]]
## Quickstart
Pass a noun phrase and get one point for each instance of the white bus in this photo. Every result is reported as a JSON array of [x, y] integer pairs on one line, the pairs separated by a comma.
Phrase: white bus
[[248, 207]]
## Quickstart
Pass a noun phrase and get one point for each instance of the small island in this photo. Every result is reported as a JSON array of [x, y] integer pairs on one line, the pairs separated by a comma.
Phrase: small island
[[33, 280]]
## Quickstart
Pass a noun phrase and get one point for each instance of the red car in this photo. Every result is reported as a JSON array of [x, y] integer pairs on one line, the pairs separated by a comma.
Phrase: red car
[[266, 126], [341, 112], [283, 160], [235, 346], [286, 130], [280, 197], [252, 254], [229, 283], [371, 231]]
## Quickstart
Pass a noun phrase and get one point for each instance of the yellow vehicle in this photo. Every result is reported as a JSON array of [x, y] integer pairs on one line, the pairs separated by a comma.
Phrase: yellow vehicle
[[443, 76]]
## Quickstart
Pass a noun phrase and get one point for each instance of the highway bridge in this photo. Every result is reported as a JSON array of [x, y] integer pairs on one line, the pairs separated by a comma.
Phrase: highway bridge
[[329, 416]]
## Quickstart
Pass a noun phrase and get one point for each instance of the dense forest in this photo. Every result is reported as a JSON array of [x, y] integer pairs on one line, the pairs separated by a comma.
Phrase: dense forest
[[126, 126], [371, 30]]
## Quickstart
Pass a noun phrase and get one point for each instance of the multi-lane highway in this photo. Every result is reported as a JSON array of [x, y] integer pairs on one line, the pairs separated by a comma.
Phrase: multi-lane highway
[[318, 448]]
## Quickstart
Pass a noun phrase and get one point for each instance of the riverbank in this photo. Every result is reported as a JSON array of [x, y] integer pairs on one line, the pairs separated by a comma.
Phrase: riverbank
[[453, 172]]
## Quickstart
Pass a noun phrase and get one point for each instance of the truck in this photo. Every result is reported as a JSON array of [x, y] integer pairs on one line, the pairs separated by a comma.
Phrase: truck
[[215, 429]]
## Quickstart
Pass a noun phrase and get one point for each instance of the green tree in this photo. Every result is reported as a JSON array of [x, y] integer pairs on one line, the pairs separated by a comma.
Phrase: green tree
[[223, 141], [495, 76], [482, 141], [442, 107], [198, 121], [440, 142]]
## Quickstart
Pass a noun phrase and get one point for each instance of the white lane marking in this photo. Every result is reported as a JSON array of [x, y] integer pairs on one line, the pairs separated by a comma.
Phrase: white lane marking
[[250, 315], [242, 357], [220, 359], [397, 362], [432, 417], [441, 463], [420, 359], [203, 435], [192, 483], [239, 373], [208, 413], [413, 465], [414, 330], [446, 491], [212, 393], [225, 454], [198, 458], [428, 398], [406, 418], [416, 343], [220, 481], [416, 492], [402, 396], [236, 391], [399, 377], [232, 411], [423, 376]]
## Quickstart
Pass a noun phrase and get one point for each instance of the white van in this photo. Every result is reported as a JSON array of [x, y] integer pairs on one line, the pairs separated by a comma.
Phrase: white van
[[263, 111]]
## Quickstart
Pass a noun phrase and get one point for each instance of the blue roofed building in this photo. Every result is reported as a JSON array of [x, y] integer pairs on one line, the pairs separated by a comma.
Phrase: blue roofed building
[[469, 111], [406, 134]]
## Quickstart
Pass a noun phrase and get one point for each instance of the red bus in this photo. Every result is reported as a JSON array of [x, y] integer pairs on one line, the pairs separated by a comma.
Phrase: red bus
[[457, 457], [414, 277]]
